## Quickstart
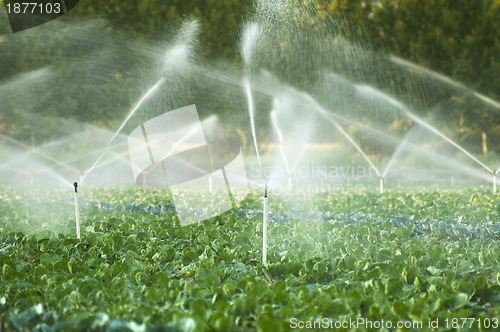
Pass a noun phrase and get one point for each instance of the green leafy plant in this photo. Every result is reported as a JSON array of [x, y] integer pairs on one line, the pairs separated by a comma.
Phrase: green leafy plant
[[340, 257]]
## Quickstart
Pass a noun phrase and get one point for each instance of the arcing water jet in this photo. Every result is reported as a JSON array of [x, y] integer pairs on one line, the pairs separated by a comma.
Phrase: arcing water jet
[[372, 92], [132, 112], [274, 122]]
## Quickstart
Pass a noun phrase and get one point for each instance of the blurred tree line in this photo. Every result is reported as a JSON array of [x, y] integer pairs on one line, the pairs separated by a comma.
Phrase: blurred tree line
[[221, 20], [456, 38]]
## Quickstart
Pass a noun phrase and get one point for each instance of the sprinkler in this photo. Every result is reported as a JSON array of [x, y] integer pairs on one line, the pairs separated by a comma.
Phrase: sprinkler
[[381, 177], [264, 229], [495, 183], [495, 180], [77, 210]]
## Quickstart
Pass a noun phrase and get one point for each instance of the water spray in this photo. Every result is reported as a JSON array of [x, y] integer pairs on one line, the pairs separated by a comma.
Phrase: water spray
[[39, 153], [77, 210], [281, 148], [251, 112], [370, 91], [445, 79], [249, 39], [331, 119], [264, 229], [132, 112]]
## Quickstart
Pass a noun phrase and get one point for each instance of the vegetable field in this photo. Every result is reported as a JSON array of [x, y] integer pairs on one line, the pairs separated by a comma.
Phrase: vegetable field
[[400, 257]]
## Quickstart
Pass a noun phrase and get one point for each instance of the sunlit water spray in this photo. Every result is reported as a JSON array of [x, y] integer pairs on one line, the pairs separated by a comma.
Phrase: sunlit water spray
[[249, 40], [251, 112], [132, 112], [495, 180], [394, 156], [39, 153], [445, 79], [305, 101], [460, 86], [279, 133], [251, 35], [41, 169], [276, 90], [328, 116], [176, 58], [374, 93], [25, 81]]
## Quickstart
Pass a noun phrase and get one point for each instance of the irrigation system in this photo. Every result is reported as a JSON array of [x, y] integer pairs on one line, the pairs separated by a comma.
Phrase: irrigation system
[[264, 228], [259, 87], [77, 211]]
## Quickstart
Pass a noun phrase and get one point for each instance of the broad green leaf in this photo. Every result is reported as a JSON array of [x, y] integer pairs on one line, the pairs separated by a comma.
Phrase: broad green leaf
[[30, 316]]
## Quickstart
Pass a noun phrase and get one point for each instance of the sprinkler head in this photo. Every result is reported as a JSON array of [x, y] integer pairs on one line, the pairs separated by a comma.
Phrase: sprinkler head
[[265, 191], [76, 186]]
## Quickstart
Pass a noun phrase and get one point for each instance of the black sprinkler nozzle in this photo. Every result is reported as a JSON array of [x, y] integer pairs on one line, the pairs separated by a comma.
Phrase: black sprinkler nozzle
[[265, 191], [76, 186]]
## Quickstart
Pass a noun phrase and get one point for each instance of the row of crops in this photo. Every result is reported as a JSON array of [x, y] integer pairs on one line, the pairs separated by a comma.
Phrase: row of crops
[[397, 257]]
